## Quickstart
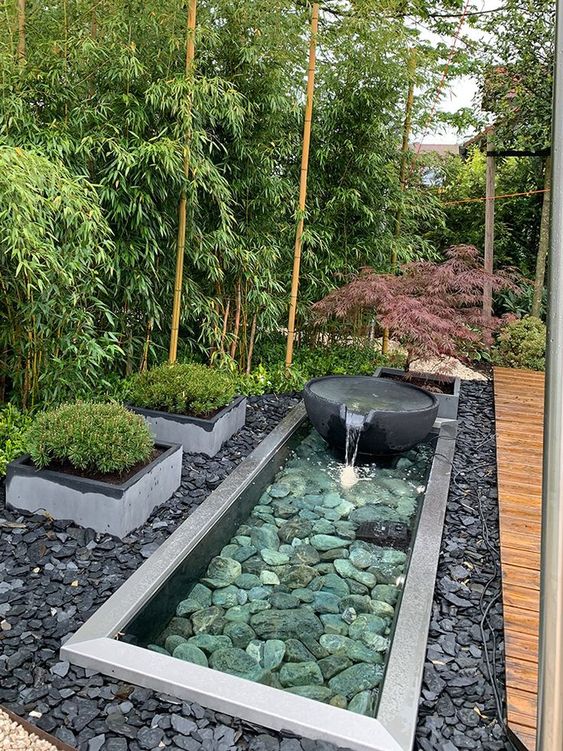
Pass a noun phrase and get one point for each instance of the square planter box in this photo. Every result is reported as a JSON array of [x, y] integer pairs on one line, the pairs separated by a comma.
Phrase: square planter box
[[197, 436], [107, 508], [448, 403]]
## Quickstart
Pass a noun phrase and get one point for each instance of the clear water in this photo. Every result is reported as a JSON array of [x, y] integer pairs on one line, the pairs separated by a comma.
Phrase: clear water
[[294, 600], [361, 395]]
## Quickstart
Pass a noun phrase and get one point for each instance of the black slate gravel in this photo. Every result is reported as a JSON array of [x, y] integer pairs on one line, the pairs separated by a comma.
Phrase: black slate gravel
[[54, 575]]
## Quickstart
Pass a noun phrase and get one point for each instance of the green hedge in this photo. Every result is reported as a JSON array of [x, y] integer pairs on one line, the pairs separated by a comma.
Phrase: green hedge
[[13, 425], [92, 437], [521, 344], [187, 389]]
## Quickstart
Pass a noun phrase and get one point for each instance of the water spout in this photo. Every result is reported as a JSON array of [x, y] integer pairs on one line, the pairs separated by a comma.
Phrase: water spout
[[355, 424]]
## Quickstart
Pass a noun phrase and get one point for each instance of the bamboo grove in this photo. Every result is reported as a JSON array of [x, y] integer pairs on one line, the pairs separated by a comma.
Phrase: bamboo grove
[[95, 111]]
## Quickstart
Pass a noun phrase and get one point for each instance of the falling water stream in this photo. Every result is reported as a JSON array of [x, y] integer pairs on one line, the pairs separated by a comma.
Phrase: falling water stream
[[355, 424]]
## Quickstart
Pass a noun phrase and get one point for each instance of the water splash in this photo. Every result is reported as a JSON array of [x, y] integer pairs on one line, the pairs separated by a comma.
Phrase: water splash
[[355, 424]]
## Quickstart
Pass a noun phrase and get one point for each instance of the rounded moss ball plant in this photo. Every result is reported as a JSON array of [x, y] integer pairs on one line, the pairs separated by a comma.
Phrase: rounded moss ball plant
[[186, 389], [521, 344], [101, 438]]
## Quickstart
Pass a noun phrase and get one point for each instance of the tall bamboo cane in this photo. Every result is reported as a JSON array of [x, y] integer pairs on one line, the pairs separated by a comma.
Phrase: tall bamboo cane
[[182, 205], [21, 18], [303, 184]]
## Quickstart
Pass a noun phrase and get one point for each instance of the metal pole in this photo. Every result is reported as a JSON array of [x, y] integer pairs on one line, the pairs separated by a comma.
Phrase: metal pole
[[303, 184], [489, 229], [550, 688]]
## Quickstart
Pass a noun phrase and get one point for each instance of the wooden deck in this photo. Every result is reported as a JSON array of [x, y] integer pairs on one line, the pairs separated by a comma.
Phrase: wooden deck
[[519, 428]]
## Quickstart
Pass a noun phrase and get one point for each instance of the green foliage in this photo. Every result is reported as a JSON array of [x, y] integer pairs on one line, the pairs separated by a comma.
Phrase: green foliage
[[13, 425], [92, 437], [188, 388], [521, 344]]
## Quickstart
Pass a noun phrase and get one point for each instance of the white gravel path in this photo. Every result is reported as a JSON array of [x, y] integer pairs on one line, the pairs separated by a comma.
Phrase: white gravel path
[[13, 737]]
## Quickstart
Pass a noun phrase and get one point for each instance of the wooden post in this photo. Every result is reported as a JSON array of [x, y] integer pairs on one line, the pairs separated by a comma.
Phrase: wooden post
[[407, 125], [21, 50], [543, 243], [489, 230], [303, 184], [182, 205]]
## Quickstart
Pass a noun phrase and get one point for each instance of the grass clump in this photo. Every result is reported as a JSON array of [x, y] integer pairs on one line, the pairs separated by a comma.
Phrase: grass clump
[[521, 344], [186, 389], [13, 425], [103, 438]]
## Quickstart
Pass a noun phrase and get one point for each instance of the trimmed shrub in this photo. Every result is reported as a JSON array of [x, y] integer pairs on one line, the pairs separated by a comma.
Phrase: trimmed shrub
[[186, 389], [93, 437], [13, 425], [521, 344]]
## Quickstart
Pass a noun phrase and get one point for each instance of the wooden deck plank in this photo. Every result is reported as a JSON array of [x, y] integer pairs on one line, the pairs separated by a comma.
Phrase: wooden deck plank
[[519, 427]]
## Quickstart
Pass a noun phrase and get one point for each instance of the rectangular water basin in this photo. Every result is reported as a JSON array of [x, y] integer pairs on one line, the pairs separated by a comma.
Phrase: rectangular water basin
[[296, 609]]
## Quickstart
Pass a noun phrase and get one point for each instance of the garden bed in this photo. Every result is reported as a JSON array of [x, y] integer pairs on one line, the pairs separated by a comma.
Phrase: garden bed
[[54, 576]]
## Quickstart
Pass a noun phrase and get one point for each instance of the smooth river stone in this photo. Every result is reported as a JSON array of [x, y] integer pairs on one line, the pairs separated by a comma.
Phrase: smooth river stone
[[335, 584], [360, 677], [279, 490], [240, 634], [191, 605], [234, 661], [326, 602], [355, 650], [247, 581], [301, 674], [338, 701], [226, 597], [328, 542], [269, 578], [274, 557], [242, 613], [306, 554], [360, 603], [295, 529], [348, 571], [318, 693], [176, 627], [173, 641], [373, 514], [334, 624], [284, 624], [210, 642], [190, 653], [274, 652], [366, 623], [228, 550], [284, 601], [386, 593], [265, 536], [382, 609], [255, 648], [363, 703], [332, 665], [222, 571], [208, 619], [296, 651], [243, 553], [331, 500], [259, 593], [323, 526], [158, 649], [304, 594], [299, 576]]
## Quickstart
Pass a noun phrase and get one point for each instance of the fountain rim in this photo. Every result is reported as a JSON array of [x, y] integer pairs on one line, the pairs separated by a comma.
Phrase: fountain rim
[[393, 384]]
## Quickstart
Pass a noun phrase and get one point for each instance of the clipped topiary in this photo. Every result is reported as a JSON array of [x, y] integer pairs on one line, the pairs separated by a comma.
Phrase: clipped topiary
[[104, 438], [521, 344], [185, 389]]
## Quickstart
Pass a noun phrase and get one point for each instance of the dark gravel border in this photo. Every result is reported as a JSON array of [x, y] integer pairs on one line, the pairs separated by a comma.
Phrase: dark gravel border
[[53, 576]]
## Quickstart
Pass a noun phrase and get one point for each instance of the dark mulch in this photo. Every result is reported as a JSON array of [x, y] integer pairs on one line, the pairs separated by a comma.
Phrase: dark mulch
[[53, 576]]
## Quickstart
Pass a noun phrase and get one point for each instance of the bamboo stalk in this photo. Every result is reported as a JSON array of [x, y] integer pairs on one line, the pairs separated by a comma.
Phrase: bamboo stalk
[[145, 360], [303, 184], [21, 19], [489, 231], [225, 324], [182, 205], [251, 344], [236, 329]]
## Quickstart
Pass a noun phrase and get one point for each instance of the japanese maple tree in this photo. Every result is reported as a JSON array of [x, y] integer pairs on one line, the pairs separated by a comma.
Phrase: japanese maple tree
[[431, 309]]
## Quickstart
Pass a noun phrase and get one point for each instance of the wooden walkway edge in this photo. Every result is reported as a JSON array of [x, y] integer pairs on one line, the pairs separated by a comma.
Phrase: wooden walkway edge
[[519, 432]]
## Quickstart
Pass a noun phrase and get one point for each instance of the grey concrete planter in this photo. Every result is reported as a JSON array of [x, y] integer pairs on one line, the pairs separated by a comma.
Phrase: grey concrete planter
[[115, 509], [448, 403], [196, 435]]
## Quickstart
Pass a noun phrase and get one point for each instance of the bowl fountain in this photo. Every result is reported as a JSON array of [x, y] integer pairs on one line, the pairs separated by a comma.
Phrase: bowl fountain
[[370, 416]]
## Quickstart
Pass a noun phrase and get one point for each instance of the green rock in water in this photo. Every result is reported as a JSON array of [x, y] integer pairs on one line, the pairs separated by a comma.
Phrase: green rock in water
[[338, 701], [226, 597], [239, 614], [210, 642], [314, 647], [279, 490], [334, 624], [157, 648], [298, 576], [255, 649], [386, 593], [284, 624], [284, 601], [382, 609], [296, 651], [354, 650], [176, 627], [247, 581], [328, 542], [202, 594], [363, 703], [361, 558], [240, 634], [243, 553], [173, 641], [374, 514], [228, 550], [274, 557], [234, 661], [356, 678], [348, 571], [323, 526], [306, 554], [269, 578], [326, 602], [189, 606], [301, 674], [318, 693], [265, 536], [190, 653], [335, 584], [360, 603], [332, 665], [208, 619], [331, 500], [222, 571], [305, 595], [375, 642], [358, 589], [259, 593], [366, 623], [332, 555], [274, 652]]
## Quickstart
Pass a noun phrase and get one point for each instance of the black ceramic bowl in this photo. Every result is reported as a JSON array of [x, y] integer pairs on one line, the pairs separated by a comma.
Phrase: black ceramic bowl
[[396, 416]]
